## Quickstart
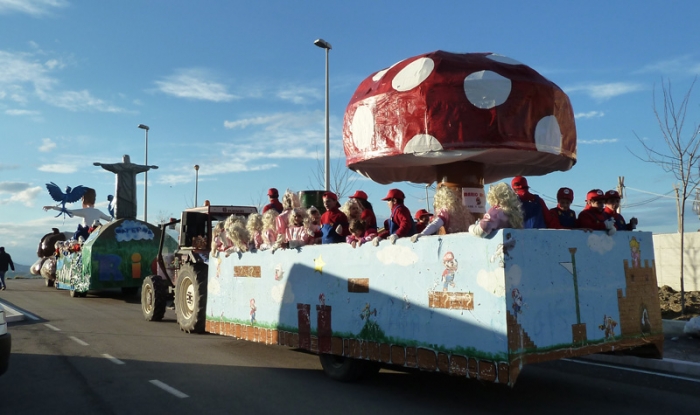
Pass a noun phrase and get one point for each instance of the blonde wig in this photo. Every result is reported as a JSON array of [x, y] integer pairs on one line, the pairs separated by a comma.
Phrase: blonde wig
[[460, 216], [237, 233], [254, 223], [503, 196], [352, 209]]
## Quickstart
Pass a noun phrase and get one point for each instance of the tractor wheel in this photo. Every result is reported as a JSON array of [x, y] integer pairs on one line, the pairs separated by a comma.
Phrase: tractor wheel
[[191, 297], [154, 296], [346, 369]]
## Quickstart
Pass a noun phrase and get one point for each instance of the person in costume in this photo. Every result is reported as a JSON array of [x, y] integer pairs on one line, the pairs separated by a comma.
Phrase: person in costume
[[612, 204], [563, 212], [592, 217], [367, 215], [504, 211], [334, 223], [275, 204], [450, 214], [536, 215], [400, 223]]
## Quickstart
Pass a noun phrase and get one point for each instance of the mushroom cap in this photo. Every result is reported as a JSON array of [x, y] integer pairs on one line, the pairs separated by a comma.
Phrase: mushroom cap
[[442, 107]]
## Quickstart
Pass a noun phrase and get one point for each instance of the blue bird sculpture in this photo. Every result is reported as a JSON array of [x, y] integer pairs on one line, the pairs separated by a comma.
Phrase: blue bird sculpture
[[70, 196]]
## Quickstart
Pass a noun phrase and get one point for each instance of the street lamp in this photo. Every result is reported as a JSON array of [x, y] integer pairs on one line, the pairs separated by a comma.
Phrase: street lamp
[[327, 46], [196, 183], [145, 178]]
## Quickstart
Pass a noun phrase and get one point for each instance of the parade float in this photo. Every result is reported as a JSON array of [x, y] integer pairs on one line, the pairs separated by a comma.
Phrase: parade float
[[479, 308], [106, 251]]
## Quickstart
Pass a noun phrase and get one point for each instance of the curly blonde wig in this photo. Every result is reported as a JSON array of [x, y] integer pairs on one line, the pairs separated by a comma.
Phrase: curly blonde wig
[[236, 232], [268, 220], [299, 213], [352, 209], [460, 216], [254, 223], [503, 196], [290, 200]]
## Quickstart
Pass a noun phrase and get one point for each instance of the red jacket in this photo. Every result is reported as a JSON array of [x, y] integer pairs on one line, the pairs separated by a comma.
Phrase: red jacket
[[369, 219], [275, 204], [591, 218]]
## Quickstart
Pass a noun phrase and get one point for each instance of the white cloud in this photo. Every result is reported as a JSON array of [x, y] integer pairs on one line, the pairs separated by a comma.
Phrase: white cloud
[[589, 114], [680, 65], [600, 243], [606, 91], [32, 7], [58, 168], [395, 254], [46, 145], [20, 69], [299, 94], [492, 281], [195, 84], [601, 141], [21, 112], [26, 196], [12, 187]]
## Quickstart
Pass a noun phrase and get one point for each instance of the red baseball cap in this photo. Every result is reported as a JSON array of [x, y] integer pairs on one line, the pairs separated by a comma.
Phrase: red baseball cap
[[519, 182], [272, 192], [394, 194], [595, 194], [330, 195], [422, 212], [359, 194], [612, 194], [565, 193]]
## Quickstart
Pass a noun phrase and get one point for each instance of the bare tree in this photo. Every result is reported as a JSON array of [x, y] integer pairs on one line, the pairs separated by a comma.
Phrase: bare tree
[[342, 178], [681, 159]]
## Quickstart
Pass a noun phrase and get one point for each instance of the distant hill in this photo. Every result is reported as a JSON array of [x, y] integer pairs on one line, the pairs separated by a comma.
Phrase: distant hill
[[21, 271]]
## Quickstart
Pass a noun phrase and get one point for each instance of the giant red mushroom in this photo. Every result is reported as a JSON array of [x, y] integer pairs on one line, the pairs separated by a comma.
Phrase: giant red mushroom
[[459, 119]]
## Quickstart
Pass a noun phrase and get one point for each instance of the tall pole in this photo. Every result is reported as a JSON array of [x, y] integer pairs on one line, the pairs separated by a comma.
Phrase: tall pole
[[145, 178], [327, 46], [196, 183]]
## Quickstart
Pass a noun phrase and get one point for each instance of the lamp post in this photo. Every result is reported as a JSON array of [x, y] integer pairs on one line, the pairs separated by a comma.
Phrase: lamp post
[[196, 183], [327, 46], [145, 178]]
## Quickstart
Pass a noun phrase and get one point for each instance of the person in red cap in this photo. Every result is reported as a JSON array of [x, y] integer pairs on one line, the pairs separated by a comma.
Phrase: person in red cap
[[422, 219], [275, 204], [334, 223], [612, 203], [367, 216], [536, 215], [592, 216], [400, 223], [563, 212]]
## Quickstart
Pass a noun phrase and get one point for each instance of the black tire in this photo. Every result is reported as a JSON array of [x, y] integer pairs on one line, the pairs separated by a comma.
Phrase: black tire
[[154, 296], [130, 291], [191, 297], [346, 369], [48, 282]]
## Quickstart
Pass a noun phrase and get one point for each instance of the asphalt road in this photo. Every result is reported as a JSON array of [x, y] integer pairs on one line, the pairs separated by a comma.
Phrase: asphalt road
[[97, 355]]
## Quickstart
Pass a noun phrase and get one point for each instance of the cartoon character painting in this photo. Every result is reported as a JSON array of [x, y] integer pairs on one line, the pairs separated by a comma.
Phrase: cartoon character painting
[[608, 327], [253, 309], [448, 275], [503, 250], [518, 302], [636, 253]]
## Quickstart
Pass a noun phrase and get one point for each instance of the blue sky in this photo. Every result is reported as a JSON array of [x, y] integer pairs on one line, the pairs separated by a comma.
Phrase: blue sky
[[238, 88]]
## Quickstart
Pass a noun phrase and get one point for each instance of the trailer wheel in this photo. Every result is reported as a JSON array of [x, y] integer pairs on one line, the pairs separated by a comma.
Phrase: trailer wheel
[[346, 369], [191, 298], [130, 291], [48, 282], [74, 293], [154, 296]]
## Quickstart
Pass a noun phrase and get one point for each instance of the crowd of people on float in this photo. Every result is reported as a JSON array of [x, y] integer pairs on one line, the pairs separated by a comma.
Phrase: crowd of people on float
[[286, 224]]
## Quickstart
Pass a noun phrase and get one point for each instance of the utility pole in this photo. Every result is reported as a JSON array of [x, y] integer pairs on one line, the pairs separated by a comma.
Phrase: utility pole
[[620, 189]]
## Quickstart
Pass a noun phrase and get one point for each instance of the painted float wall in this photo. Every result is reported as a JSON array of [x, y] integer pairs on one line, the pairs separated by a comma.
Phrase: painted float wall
[[512, 299], [667, 248]]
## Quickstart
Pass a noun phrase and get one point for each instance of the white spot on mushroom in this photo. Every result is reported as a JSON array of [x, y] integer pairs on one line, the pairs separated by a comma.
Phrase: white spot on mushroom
[[362, 127], [413, 74], [422, 143], [548, 135], [486, 89], [503, 59], [377, 76]]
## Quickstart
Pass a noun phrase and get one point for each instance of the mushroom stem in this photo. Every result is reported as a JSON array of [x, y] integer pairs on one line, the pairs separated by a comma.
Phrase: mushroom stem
[[463, 174]]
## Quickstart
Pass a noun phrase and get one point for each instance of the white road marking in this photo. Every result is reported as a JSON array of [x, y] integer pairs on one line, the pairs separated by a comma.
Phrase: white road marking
[[54, 328], [113, 359], [629, 369], [77, 340], [168, 389]]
